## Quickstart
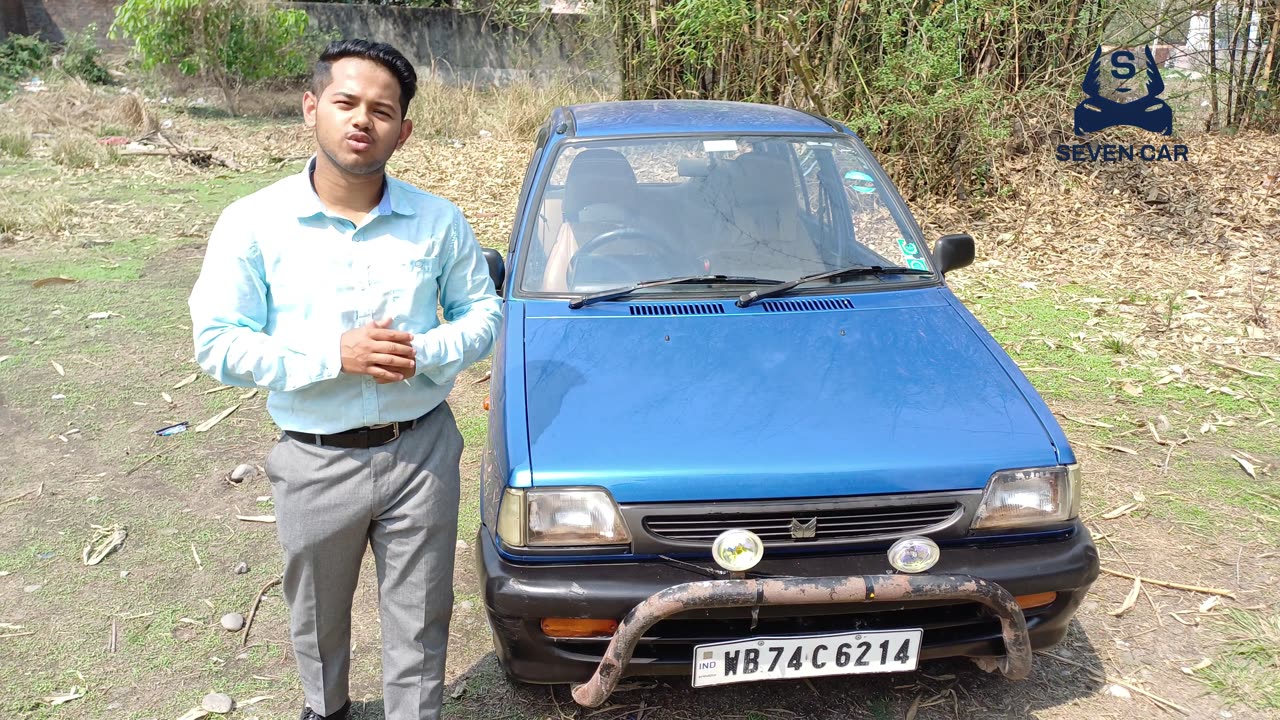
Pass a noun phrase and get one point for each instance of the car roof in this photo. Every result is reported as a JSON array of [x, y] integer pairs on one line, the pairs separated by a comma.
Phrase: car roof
[[687, 117]]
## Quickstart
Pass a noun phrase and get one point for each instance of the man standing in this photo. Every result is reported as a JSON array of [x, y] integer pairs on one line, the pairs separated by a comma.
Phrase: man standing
[[323, 289]]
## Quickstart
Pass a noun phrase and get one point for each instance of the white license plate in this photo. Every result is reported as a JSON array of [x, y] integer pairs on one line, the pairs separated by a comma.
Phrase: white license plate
[[766, 658]]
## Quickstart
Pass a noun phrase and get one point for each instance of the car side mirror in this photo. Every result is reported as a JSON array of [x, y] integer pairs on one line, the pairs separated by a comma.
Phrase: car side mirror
[[498, 269], [953, 251]]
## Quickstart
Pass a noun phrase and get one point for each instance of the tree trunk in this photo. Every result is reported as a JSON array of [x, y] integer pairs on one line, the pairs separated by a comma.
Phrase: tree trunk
[[1213, 69], [1271, 49]]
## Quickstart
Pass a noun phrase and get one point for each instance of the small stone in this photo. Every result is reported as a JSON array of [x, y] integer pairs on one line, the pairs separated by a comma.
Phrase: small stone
[[124, 574], [217, 703], [7, 239], [114, 706], [1120, 692], [242, 471], [31, 588], [242, 568], [232, 622], [462, 545], [465, 605], [1162, 424]]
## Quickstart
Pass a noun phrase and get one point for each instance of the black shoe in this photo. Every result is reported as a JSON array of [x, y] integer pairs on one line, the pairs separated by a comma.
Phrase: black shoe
[[339, 714]]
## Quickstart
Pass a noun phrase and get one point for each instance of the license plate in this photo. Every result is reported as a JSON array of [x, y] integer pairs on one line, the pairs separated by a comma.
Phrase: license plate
[[875, 651]]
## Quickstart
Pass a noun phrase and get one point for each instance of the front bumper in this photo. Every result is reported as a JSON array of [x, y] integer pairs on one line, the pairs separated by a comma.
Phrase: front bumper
[[517, 596]]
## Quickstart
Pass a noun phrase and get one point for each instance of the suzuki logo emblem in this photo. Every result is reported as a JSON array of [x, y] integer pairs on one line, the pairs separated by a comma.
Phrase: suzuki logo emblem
[[806, 530]]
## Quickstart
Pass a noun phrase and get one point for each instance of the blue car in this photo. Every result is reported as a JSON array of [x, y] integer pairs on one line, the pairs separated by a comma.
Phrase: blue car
[[740, 429]]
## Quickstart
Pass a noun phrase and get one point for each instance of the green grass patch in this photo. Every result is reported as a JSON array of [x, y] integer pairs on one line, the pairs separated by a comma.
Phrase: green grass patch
[[15, 143], [1248, 668], [1041, 333]]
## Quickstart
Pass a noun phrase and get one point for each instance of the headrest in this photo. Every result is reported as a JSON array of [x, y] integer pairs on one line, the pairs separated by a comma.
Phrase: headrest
[[756, 178], [597, 176]]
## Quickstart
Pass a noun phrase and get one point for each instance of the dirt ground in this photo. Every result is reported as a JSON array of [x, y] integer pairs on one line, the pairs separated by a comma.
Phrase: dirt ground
[[1141, 301]]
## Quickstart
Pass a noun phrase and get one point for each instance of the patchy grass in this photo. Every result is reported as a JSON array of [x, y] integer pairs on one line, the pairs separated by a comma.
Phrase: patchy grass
[[514, 113], [82, 152], [52, 215], [15, 143], [1248, 669]]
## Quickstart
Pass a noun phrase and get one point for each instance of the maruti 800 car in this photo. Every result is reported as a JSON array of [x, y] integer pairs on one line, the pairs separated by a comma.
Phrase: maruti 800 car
[[740, 429]]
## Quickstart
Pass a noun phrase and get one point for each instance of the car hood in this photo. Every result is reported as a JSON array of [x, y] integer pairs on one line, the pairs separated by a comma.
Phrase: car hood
[[884, 397]]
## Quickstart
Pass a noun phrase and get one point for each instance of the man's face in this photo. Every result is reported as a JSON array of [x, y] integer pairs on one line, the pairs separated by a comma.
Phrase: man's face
[[356, 118]]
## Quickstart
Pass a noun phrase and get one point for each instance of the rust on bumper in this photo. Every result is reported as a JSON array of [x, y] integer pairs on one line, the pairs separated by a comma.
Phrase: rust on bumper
[[1016, 663]]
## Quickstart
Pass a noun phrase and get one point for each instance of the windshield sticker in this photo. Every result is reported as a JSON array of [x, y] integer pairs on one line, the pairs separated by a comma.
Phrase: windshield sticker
[[911, 254], [859, 182], [720, 145]]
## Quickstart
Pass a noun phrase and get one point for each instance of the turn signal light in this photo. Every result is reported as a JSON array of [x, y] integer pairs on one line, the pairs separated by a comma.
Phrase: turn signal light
[[1036, 600], [578, 627]]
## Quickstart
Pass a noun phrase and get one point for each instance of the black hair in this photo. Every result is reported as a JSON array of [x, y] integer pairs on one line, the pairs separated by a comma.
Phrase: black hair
[[381, 53]]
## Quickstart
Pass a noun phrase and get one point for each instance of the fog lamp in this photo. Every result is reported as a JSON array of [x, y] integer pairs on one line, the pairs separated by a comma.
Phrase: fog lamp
[[737, 550], [914, 554]]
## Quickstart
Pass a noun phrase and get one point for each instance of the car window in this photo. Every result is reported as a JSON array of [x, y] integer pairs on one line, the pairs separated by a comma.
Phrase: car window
[[621, 211]]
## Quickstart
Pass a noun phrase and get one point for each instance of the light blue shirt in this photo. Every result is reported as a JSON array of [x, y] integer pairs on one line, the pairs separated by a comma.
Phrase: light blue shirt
[[283, 278]]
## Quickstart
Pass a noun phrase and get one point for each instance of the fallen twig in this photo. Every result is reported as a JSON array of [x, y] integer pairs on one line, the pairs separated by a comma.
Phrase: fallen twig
[[1173, 585], [17, 634], [137, 467], [39, 490], [1241, 370], [1152, 696], [253, 612]]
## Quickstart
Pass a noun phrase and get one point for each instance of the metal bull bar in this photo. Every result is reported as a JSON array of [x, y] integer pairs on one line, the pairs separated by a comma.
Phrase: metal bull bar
[[1015, 664]]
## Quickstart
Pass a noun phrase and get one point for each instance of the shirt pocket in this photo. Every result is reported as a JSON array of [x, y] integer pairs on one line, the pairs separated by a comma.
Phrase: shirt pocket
[[412, 290]]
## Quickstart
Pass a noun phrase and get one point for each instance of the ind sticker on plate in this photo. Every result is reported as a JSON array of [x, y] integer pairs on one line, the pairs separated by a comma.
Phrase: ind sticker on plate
[[720, 145]]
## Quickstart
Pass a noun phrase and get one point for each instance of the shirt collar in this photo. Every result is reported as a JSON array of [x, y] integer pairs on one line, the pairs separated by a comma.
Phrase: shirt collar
[[310, 205]]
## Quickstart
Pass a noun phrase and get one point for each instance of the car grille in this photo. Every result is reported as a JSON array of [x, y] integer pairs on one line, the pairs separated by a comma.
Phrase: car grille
[[799, 527]]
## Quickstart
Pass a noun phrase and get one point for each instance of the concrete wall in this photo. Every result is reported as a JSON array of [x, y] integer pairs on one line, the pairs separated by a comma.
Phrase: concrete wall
[[463, 48], [457, 47], [52, 19]]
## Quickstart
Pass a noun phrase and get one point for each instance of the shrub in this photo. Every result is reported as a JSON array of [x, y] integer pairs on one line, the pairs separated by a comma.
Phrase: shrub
[[15, 144], [20, 56], [80, 55], [232, 43], [82, 152]]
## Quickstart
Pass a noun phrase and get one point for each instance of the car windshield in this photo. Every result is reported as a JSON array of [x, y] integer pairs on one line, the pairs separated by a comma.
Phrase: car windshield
[[617, 212]]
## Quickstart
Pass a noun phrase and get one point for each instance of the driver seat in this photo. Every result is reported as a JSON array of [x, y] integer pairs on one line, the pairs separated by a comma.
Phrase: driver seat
[[599, 192]]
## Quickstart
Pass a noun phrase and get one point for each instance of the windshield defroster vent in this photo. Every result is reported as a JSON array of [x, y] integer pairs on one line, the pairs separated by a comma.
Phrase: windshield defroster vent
[[678, 309], [807, 305]]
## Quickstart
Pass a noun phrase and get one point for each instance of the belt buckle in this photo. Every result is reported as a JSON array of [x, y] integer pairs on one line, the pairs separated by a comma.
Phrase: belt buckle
[[395, 431]]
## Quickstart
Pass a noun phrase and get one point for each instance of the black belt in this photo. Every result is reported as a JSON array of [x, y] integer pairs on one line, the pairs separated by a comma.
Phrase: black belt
[[362, 437]]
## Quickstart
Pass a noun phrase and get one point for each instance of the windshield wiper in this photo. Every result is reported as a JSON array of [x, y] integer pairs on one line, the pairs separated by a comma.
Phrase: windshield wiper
[[615, 293], [776, 290]]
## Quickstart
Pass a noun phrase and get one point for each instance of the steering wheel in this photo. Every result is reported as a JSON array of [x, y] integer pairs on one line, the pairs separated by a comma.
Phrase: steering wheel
[[655, 243]]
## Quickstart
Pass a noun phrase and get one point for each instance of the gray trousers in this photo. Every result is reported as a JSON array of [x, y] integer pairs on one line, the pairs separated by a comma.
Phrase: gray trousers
[[402, 500]]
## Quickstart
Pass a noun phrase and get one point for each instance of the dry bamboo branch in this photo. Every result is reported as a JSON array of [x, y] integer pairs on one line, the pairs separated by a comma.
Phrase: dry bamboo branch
[[1173, 585]]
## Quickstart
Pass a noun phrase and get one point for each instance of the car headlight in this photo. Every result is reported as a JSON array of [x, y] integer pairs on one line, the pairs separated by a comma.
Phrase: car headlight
[[560, 517], [1032, 496]]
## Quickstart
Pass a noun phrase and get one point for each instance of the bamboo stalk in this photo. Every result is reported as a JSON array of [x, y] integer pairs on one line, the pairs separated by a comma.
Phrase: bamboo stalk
[[1172, 585], [1213, 67]]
